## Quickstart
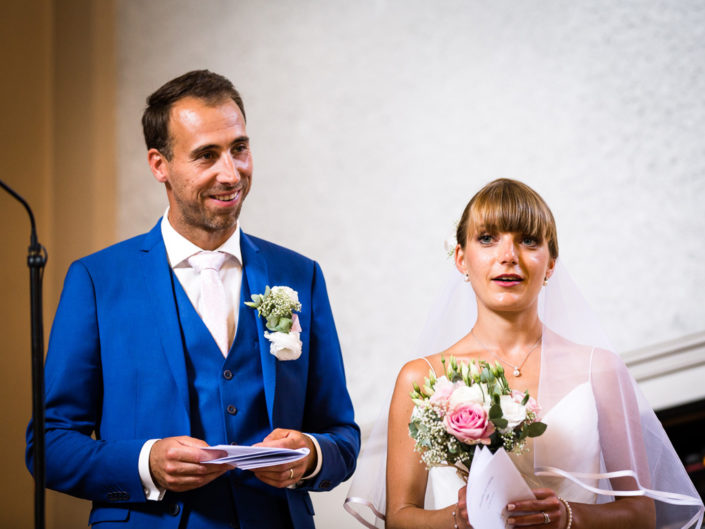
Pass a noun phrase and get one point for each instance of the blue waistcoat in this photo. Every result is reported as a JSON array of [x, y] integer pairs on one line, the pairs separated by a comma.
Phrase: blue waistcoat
[[227, 405]]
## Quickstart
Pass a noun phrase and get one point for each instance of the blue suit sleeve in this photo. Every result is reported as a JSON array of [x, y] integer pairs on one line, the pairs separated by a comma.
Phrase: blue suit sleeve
[[329, 414], [78, 462]]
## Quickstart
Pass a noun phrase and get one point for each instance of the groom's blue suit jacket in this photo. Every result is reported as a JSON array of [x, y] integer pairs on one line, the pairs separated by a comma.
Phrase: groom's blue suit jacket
[[118, 374]]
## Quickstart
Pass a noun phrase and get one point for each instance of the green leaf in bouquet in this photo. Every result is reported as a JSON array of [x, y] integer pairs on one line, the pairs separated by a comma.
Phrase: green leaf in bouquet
[[535, 429], [526, 398], [500, 423], [413, 429], [486, 376]]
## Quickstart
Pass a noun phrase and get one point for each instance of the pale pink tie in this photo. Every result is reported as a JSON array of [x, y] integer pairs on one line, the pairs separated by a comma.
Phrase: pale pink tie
[[212, 306]]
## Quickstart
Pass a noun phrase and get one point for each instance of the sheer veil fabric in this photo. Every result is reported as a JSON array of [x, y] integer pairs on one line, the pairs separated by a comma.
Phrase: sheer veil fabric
[[636, 456]]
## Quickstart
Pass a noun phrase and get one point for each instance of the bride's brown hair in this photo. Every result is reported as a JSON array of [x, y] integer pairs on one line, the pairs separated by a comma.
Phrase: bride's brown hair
[[506, 205]]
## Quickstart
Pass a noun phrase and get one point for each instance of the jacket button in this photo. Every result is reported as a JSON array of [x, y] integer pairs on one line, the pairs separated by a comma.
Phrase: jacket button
[[232, 410], [325, 484], [227, 374], [174, 509]]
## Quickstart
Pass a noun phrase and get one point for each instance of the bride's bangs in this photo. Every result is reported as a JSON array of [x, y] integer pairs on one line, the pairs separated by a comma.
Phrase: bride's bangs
[[511, 206]]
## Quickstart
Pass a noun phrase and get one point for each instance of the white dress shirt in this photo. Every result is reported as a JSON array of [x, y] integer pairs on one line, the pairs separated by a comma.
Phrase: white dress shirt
[[178, 250]]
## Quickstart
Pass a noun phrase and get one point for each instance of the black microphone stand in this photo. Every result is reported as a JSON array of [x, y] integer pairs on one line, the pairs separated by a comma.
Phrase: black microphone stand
[[36, 260]]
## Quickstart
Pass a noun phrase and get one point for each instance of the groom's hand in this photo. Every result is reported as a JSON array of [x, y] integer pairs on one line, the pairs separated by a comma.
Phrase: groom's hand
[[288, 473], [175, 464]]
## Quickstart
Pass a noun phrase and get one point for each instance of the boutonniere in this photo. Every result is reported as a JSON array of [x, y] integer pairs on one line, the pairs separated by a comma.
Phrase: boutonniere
[[277, 306]]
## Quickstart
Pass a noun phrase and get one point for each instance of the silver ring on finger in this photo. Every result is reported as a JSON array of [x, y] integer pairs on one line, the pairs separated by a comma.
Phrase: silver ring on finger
[[546, 518], [291, 473]]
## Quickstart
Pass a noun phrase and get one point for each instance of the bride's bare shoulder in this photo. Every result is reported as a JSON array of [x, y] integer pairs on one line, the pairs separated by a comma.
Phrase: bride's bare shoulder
[[417, 369]]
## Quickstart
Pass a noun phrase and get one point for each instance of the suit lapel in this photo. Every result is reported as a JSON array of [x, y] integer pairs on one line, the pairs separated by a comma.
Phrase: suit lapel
[[255, 270], [160, 295]]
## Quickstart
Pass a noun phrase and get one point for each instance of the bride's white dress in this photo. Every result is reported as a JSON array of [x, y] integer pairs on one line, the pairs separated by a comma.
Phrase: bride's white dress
[[571, 443]]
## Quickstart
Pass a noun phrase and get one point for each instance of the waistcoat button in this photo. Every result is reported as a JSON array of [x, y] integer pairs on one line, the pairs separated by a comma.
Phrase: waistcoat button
[[227, 374], [232, 410]]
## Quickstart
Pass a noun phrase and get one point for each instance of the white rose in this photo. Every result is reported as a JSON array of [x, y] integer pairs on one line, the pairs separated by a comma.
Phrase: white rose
[[288, 292], [284, 345], [465, 394], [513, 411]]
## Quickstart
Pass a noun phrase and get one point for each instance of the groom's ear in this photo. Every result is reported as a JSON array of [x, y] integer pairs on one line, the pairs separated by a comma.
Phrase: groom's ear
[[159, 165]]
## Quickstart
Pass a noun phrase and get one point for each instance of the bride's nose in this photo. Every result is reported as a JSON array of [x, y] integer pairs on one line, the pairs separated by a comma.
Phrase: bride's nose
[[507, 250]]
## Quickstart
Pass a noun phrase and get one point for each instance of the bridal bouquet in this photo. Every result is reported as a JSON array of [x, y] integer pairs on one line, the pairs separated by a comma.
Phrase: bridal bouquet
[[471, 404]]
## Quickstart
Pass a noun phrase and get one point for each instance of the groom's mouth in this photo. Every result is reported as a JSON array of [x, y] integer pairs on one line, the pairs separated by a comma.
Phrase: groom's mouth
[[226, 198]]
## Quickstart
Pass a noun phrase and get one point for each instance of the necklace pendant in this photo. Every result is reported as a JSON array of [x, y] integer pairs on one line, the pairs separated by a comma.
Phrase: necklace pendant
[[517, 373]]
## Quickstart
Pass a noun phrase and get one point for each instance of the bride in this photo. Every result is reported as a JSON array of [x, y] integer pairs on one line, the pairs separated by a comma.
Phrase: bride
[[604, 458]]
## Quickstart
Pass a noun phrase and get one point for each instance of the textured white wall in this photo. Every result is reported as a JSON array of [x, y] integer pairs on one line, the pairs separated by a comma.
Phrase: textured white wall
[[372, 124]]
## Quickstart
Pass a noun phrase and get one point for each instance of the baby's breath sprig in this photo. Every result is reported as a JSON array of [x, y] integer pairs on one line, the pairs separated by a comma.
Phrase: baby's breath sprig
[[277, 306]]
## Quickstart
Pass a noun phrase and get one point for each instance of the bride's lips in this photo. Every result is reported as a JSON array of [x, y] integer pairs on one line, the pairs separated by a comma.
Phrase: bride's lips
[[507, 280]]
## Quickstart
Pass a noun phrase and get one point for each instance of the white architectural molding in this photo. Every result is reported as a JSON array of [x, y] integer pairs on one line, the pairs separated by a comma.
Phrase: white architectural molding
[[670, 373]]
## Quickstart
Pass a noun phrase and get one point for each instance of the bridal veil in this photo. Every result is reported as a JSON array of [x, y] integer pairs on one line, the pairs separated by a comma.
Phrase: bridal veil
[[636, 456]]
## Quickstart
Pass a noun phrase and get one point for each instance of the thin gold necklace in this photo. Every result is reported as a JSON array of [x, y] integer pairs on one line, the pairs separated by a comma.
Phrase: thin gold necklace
[[517, 369]]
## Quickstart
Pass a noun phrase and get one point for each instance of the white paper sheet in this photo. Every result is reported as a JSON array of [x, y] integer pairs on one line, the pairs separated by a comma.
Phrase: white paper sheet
[[494, 482], [249, 457]]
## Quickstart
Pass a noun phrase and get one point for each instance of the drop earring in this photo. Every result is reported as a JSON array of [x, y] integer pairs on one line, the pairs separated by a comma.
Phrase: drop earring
[[545, 281], [466, 278]]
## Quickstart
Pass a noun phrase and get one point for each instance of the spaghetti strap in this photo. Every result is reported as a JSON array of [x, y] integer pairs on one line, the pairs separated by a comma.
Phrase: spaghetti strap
[[429, 365]]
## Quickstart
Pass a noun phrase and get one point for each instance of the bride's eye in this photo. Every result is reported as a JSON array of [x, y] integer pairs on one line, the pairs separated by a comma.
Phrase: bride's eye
[[485, 238], [528, 240]]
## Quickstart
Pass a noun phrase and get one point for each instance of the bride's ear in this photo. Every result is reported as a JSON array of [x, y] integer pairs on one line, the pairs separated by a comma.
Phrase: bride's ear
[[551, 267], [459, 258]]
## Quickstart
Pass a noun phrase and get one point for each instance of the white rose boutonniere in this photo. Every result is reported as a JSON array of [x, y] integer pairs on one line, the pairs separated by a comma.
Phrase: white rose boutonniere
[[277, 306]]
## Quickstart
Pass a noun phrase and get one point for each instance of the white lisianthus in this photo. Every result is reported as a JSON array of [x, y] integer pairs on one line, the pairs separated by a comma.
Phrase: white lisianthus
[[513, 411], [467, 394], [284, 345]]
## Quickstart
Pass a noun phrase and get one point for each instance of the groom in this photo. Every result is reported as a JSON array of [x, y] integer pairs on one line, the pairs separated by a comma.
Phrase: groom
[[153, 354]]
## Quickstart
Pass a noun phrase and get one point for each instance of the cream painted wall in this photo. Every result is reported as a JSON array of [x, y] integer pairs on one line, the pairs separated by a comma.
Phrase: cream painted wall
[[57, 148], [373, 122]]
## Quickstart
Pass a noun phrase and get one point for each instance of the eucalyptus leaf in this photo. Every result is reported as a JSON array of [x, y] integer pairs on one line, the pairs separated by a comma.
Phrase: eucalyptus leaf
[[272, 322], [283, 325]]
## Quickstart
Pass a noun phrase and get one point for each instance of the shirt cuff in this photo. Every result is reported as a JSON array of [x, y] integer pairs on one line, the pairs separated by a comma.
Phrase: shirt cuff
[[151, 491], [319, 457]]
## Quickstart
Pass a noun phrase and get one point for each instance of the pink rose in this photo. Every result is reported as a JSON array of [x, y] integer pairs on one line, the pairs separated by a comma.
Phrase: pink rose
[[531, 404], [469, 423], [442, 391]]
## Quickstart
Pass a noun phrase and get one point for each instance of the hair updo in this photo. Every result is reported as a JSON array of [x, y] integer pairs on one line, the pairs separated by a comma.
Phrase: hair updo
[[506, 205]]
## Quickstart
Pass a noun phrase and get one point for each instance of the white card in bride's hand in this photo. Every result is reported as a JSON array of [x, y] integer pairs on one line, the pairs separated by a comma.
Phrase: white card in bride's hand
[[493, 482]]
